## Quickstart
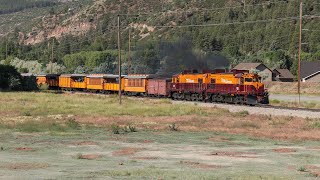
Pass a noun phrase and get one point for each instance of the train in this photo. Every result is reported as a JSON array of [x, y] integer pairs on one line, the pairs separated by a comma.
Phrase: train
[[221, 86]]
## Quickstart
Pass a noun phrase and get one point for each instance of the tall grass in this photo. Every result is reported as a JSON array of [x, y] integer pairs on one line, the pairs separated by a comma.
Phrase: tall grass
[[43, 104]]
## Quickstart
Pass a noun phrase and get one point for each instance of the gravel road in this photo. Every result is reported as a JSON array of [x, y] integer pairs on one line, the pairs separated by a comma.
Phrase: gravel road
[[284, 97], [257, 110]]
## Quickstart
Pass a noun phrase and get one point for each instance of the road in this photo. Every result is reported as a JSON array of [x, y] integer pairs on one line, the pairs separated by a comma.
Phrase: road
[[284, 97]]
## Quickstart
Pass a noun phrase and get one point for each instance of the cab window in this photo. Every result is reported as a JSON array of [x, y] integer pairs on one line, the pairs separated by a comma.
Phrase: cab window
[[248, 79]]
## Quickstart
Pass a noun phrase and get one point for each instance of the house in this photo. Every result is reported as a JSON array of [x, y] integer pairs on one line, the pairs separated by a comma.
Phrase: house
[[282, 75], [310, 71], [261, 69]]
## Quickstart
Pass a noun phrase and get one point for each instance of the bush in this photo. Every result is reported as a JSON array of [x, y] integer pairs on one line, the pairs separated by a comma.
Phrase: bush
[[72, 124], [242, 113], [173, 127], [115, 129], [43, 87], [130, 128], [10, 79]]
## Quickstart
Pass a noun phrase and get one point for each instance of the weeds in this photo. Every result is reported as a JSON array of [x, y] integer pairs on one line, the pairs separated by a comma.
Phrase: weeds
[[30, 126], [173, 127], [302, 169], [130, 128], [115, 129], [315, 124], [43, 87], [79, 156], [242, 113], [72, 124], [27, 113], [246, 124]]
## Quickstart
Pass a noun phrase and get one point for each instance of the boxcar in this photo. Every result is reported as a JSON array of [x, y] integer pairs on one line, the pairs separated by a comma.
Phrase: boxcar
[[52, 80], [158, 87], [73, 81], [136, 84]]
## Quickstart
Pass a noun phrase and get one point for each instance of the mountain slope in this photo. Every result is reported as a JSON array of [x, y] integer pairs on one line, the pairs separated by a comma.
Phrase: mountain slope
[[251, 30]]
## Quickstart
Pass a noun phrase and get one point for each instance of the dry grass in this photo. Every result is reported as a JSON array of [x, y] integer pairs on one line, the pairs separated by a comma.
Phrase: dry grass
[[62, 113], [291, 88], [309, 105]]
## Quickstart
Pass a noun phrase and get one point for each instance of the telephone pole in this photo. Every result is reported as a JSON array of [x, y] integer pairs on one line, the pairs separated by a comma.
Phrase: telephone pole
[[299, 56], [129, 53], [7, 49], [51, 55], [119, 60]]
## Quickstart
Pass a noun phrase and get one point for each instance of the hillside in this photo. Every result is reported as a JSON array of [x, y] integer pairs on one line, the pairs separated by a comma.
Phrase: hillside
[[167, 36]]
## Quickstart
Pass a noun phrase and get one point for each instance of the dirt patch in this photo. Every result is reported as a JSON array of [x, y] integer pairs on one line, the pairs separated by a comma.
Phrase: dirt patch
[[146, 158], [86, 143], [126, 151], [89, 156], [284, 150], [25, 166], [147, 141], [199, 165], [313, 148], [235, 154], [25, 149]]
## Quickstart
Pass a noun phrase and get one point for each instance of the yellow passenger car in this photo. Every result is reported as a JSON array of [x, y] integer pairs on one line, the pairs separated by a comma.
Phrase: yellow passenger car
[[73, 81], [111, 83], [52, 80], [95, 83], [136, 84]]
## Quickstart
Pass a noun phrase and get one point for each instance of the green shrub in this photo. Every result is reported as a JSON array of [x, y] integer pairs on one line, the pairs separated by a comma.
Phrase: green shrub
[[115, 129], [72, 124], [43, 87], [302, 169], [315, 124], [30, 126], [242, 113]]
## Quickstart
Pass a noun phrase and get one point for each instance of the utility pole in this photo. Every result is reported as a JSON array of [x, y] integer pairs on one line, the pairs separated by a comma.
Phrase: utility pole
[[119, 60], [129, 53], [299, 56], [7, 49], [51, 55]]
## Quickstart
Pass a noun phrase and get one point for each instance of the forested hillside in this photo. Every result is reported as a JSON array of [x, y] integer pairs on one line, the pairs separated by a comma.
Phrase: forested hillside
[[10, 6], [169, 36]]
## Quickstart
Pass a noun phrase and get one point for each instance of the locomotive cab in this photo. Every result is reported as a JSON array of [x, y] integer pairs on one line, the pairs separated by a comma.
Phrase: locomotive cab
[[252, 80], [253, 84]]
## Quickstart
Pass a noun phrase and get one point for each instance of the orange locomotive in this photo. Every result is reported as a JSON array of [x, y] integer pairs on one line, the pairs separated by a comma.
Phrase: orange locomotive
[[239, 87]]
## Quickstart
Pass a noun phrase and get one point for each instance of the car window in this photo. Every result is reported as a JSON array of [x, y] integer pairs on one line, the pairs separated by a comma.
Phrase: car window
[[248, 79]]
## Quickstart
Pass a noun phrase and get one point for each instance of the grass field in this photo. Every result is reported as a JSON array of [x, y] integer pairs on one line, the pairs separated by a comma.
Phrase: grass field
[[63, 136]]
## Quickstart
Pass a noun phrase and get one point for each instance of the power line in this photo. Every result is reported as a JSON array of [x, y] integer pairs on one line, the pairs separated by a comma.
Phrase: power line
[[231, 23]]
